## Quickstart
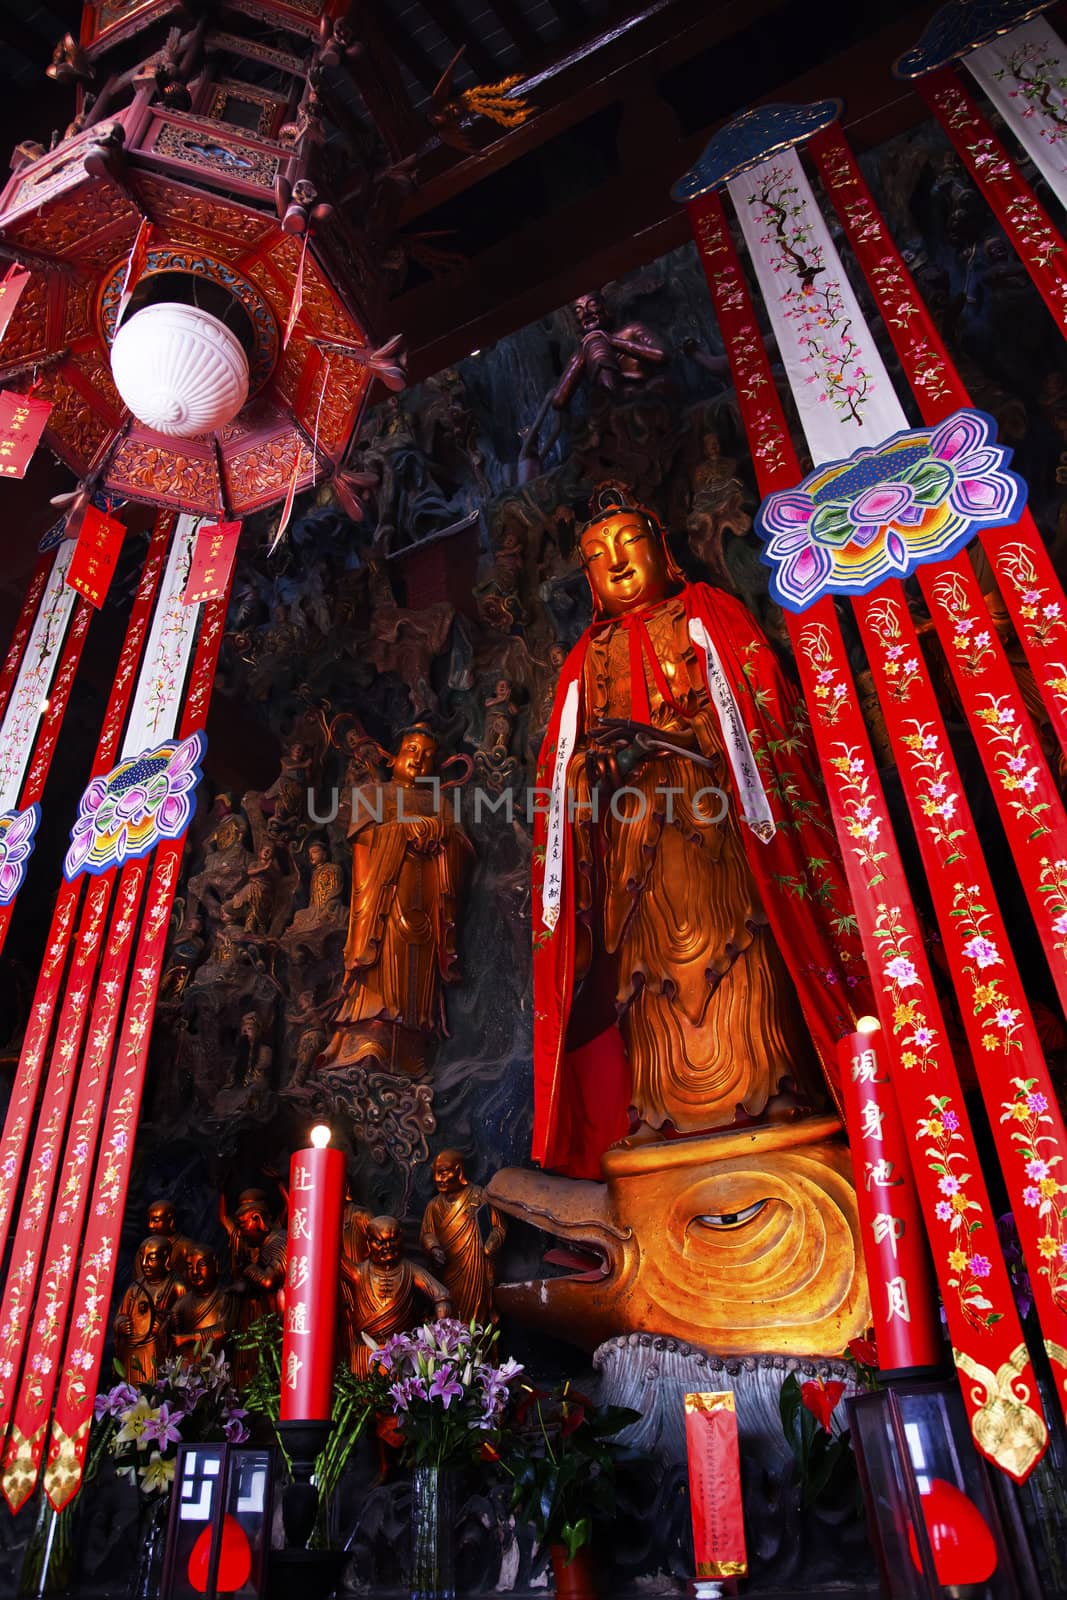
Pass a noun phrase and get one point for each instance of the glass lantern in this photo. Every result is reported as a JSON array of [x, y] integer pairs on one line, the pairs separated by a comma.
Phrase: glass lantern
[[219, 1533], [933, 1509]]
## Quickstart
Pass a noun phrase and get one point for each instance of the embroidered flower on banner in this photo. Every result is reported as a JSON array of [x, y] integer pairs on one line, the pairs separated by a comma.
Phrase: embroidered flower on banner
[[879, 514], [17, 829], [125, 813]]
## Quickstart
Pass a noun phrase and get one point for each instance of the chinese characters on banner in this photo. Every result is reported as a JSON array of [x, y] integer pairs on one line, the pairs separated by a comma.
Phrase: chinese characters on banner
[[903, 1298], [22, 422], [316, 1200], [12, 284], [212, 561], [96, 555]]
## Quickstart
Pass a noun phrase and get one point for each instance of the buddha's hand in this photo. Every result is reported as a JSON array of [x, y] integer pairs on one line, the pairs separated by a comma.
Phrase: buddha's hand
[[124, 1327]]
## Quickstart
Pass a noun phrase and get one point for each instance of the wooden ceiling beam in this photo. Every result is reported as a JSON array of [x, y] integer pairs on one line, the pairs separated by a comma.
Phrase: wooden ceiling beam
[[570, 14], [594, 74], [630, 220], [403, 45], [511, 19], [448, 19]]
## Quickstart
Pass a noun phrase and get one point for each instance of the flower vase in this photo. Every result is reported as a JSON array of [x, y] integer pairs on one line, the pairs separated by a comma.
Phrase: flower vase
[[151, 1531], [48, 1567], [574, 1579], [432, 1507]]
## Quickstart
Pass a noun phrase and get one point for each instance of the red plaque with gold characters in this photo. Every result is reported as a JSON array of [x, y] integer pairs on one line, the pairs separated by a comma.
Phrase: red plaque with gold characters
[[95, 559], [22, 422], [715, 1486], [212, 561]]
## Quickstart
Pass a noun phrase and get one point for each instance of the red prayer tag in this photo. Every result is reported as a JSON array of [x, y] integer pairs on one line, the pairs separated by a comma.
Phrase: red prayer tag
[[11, 287], [212, 561], [22, 422], [96, 555]]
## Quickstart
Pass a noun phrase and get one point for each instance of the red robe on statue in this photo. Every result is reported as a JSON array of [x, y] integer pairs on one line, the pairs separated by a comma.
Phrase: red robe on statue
[[581, 1095]]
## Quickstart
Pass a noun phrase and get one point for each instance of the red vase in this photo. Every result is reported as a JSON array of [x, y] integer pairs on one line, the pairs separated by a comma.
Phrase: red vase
[[575, 1580]]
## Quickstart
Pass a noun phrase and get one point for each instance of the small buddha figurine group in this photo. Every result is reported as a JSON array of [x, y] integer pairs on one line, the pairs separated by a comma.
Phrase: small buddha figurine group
[[384, 1293], [178, 1303]]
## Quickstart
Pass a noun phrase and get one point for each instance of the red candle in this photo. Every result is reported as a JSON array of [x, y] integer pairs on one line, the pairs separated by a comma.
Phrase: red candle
[[316, 1200], [903, 1298]]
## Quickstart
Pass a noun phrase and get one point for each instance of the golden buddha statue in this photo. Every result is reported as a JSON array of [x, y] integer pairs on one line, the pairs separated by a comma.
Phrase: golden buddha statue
[[258, 1259], [691, 923], [451, 1235], [142, 1322], [206, 1315], [409, 862], [162, 1223], [384, 1292]]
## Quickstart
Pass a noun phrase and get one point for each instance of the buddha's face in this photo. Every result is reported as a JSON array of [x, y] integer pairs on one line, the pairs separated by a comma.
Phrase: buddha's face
[[154, 1256], [161, 1217], [448, 1172], [202, 1271], [625, 563], [414, 759], [385, 1242]]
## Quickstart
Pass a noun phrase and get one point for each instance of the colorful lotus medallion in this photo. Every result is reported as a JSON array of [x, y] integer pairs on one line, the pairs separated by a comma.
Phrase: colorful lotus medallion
[[125, 813]]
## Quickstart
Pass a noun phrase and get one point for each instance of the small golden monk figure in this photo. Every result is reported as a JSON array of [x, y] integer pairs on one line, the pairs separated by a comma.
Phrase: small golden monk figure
[[206, 1315], [408, 871], [258, 1258], [142, 1322], [385, 1290], [452, 1238], [692, 929], [355, 1222], [162, 1223]]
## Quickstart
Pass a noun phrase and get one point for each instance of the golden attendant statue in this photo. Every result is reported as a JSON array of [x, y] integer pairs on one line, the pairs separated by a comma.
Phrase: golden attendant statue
[[206, 1315], [384, 1292], [162, 1223], [452, 1238], [408, 870], [142, 1322]]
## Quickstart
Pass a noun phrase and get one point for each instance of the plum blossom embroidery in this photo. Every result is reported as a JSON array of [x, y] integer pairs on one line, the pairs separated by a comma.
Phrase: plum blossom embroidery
[[17, 829], [938, 802], [895, 951], [972, 640], [901, 663], [125, 813], [862, 821], [823, 322], [881, 513], [1001, 1021], [1040, 84], [1028, 1112], [968, 1267]]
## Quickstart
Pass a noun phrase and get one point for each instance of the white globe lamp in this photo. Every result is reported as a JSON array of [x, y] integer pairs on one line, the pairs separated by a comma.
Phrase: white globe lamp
[[180, 370]]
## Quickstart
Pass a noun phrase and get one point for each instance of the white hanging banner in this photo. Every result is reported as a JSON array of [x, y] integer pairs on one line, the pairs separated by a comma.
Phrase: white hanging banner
[[755, 807], [158, 697], [1024, 73], [29, 697], [843, 392]]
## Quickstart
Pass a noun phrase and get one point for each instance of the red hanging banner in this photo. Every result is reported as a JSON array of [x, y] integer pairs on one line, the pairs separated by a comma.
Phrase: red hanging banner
[[96, 555], [988, 1345], [18, 1120], [1009, 1060], [214, 553], [22, 421], [907, 1321], [77, 1377], [12, 284], [23, 628], [1032, 591], [1038, 242]]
